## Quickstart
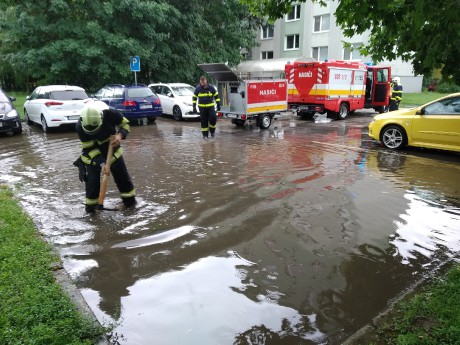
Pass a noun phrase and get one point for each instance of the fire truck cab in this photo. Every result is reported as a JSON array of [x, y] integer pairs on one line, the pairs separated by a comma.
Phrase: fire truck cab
[[336, 87]]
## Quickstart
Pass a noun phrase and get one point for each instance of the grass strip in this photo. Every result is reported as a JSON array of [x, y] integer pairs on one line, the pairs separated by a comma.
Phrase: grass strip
[[33, 307], [429, 317], [416, 99]]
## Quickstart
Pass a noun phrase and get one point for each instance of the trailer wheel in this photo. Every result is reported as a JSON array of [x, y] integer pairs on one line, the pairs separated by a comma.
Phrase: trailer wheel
[[344, 111], [264, 120]]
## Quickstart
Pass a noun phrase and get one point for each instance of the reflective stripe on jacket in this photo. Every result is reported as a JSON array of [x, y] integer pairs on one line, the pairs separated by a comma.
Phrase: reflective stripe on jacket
[[205, 96], [396, 92], [95, 146]]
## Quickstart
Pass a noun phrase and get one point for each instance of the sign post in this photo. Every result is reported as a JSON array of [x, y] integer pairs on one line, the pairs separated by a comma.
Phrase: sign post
[[135, 66]]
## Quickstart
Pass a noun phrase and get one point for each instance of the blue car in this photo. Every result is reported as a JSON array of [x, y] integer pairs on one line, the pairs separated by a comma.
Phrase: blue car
[[133, 101]]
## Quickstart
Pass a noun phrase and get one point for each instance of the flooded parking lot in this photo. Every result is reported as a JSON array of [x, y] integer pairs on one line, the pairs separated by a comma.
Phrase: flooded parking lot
[[299, 234]]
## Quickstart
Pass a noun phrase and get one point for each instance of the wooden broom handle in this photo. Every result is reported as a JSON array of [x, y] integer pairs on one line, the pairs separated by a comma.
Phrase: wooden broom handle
[[105, 178]]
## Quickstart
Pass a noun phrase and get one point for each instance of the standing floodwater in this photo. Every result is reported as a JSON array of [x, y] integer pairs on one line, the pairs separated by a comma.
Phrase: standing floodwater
[[299, 234]]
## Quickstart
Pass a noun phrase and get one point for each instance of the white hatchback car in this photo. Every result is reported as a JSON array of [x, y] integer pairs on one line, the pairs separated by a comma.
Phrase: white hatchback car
[[176, 99], [55, 105]]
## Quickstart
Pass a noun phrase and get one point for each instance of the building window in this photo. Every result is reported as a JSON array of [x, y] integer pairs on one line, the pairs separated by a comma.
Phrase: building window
[[292, 42], [351, 52], [321, 23], [319, 53], [294, 14], [267, 55], [267, 31]]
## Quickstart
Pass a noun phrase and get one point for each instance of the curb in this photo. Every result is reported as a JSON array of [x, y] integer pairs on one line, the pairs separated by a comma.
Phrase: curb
[[65, 281], [369, 329]]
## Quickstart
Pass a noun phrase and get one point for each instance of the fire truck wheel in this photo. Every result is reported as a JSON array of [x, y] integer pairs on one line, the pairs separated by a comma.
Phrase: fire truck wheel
[[265, 121], [344, 111]]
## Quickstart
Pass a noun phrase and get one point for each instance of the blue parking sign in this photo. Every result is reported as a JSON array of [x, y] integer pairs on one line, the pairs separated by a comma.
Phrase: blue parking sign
[[135, 64]]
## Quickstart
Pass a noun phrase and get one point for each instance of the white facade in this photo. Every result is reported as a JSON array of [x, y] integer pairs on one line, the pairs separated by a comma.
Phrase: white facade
[[310, 31]]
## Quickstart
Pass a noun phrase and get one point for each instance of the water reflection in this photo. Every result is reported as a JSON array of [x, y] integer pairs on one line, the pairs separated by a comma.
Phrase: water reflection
[[299, 234]]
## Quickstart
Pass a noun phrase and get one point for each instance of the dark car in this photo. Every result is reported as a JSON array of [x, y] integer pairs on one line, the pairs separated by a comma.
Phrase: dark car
[[133, 101], [9, 116]]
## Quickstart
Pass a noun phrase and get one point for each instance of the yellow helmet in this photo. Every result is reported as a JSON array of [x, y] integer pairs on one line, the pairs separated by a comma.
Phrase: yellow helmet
[[91, 116]]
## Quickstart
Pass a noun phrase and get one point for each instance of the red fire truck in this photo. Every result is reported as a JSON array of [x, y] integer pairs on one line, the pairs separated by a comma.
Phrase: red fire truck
[[336, 87]]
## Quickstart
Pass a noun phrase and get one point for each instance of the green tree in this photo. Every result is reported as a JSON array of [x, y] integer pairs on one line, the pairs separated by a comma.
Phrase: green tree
[[205, 32], [91, 42], [426, 32]]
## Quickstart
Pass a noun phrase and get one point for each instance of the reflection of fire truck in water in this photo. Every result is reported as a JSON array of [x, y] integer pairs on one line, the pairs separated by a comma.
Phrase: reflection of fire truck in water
[[336, 87], [277, 169]]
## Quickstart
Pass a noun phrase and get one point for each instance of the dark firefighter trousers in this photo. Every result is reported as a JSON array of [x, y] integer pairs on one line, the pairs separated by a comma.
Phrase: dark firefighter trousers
[[208, 120], [394, 105], [120, 176]]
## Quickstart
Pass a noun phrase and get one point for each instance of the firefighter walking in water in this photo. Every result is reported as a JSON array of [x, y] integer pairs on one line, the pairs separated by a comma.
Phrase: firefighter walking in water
[[97, 124], [205, 95], [396, 94]]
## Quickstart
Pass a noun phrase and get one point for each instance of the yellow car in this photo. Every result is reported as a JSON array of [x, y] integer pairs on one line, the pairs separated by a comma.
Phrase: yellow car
[[434, 125]]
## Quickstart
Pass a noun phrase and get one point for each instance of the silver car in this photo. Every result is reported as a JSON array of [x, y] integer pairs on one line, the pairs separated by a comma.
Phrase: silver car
[[55, 106], [176, 99]]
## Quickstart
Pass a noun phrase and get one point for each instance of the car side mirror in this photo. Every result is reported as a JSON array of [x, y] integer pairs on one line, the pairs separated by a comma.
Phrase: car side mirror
[[12, 99], [27, 98], [420, 112], [242, 94]]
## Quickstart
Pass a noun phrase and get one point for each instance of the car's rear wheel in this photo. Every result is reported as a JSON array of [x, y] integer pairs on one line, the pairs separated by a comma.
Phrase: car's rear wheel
[[393, 137], [151, 119], [26, 115], [177, 113], [44, 124]]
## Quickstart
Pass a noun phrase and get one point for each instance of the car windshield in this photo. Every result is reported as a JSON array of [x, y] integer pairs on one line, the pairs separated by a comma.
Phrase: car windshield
[[183, 90], [3, 97], [67, 95], [140, 92]]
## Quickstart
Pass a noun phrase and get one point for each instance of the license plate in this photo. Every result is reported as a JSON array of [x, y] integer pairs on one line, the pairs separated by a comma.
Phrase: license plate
[[145, 106], [231, 116], [74, 117]]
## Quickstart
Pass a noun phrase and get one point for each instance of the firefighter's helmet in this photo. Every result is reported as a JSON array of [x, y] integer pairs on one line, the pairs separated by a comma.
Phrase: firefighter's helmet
[[91, 116], [396, 80]]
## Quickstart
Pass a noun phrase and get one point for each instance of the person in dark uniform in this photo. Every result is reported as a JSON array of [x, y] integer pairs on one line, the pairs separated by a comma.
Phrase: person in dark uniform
[[396, 94], [97, 124], [205, 95]]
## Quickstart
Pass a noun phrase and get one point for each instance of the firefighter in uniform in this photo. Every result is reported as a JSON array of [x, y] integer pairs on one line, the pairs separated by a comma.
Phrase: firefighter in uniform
[[396, 93], [96, 124], [205, 95]]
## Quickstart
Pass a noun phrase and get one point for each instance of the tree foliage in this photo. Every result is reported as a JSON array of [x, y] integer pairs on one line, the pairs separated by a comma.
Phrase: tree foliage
[[90, 42], [426, 32]]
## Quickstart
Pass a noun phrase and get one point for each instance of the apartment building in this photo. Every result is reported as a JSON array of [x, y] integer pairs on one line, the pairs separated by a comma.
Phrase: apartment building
[[310, 31]]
